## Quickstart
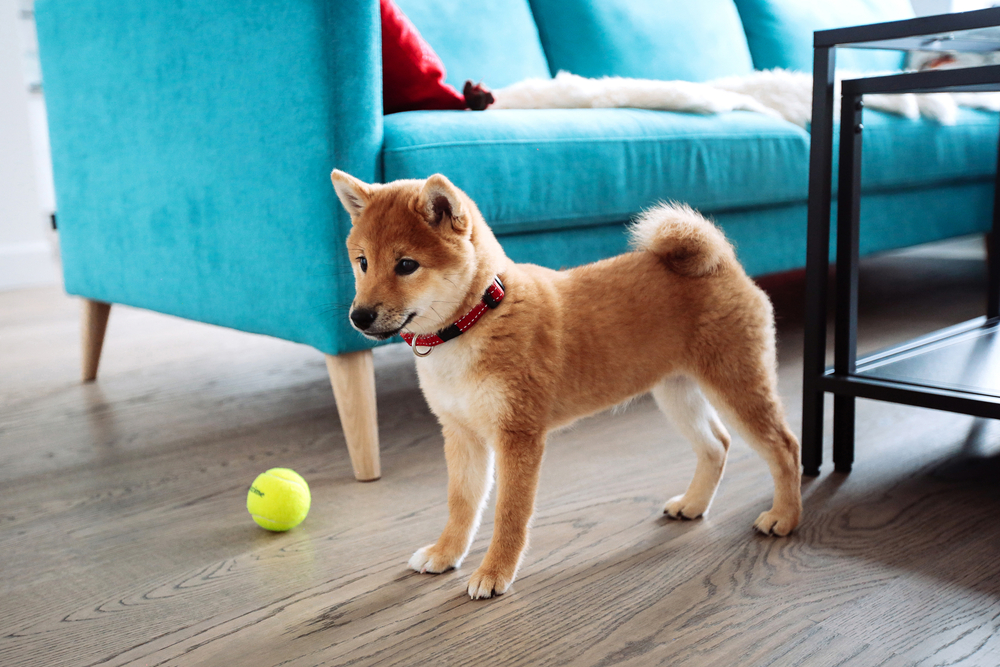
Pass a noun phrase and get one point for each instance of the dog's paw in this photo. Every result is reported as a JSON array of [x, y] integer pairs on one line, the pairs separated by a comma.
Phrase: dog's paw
[[486, 583], [681, 507], [779, 524], [429, 559]]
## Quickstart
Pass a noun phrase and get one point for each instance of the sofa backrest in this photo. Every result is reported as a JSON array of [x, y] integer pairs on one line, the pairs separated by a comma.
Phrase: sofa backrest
[[694, 40], [500, 42], [493, 41], [780, 32]]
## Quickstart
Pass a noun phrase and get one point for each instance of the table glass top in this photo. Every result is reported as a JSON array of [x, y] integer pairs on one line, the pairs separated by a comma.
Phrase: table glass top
[[982, 40], [968, 32]]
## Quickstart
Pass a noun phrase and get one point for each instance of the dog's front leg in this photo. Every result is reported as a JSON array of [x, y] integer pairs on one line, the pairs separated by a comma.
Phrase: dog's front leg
[[519, 460], [470, 475]]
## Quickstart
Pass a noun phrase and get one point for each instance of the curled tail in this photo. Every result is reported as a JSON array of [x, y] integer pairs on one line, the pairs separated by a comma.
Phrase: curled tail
[[685, 241]]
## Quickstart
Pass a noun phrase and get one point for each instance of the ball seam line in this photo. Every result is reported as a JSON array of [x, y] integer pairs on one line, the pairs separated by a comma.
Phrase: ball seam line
[[285, 479]]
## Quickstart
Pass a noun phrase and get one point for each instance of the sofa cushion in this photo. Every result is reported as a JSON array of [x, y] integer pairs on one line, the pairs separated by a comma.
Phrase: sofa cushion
[[780, 32], [493, 41], [666, 39], [902, 153], [551, 168]]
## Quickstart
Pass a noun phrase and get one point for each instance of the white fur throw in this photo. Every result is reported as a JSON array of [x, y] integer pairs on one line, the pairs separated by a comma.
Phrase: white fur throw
[[777, 92]]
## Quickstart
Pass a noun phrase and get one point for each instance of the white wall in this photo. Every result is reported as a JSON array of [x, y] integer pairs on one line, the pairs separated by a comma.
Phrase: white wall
[[969, 5], [926, 7], [26, 249]]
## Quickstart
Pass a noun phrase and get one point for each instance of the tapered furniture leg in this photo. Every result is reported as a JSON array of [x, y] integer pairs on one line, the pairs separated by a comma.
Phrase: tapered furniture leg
[[353, 378], [95, 323]]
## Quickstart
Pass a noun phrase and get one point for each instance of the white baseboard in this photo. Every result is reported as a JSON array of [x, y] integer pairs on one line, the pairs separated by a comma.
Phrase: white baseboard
[[27, 265]]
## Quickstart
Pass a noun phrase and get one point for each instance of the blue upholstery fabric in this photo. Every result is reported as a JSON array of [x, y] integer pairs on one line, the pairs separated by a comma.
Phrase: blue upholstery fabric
[[666, 39], [493, 41], [901, 218], [767, 240], [192, 144], [773, 238], [780, 32], [544, 169], [902, 153]]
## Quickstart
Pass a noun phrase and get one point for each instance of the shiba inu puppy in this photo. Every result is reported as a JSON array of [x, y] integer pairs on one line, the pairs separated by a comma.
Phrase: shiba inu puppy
[[511, 351]]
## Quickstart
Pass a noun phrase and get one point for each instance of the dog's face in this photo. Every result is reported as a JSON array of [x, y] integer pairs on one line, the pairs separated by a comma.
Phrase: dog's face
[[411, 253]]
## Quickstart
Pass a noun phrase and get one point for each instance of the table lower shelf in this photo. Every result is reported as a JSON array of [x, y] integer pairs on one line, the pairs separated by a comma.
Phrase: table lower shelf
[[955, 369]]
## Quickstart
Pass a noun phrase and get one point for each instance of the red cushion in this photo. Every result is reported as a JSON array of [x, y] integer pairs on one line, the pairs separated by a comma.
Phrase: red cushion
[[412, 74]]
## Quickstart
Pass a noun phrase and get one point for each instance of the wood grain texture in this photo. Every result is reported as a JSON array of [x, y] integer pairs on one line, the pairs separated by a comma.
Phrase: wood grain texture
[[124, 538], [94, 323], [352, 376]]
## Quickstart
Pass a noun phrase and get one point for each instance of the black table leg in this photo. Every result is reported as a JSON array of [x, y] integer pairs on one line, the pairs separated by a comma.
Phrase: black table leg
[[993, 252], [846, 329], [817, 258]]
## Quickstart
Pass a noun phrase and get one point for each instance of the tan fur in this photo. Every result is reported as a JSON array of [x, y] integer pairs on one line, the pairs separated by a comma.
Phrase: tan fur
[[677, 317], [682, 240]]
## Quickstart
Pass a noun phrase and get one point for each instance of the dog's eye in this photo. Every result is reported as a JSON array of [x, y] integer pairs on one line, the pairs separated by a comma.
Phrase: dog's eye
[[363, 263], [406, 266]]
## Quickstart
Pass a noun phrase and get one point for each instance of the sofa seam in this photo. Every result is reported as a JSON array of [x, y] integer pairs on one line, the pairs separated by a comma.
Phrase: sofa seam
[[514, 142]]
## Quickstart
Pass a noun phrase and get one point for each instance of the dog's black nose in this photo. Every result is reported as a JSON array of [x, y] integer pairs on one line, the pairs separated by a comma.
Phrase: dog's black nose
[[363, 317]]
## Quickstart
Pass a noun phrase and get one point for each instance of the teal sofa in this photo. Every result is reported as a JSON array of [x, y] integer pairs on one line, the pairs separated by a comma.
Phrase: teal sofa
[[192, 142]]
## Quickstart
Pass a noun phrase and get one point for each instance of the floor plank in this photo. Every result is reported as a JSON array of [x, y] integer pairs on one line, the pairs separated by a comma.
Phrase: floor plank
[[124, 538]]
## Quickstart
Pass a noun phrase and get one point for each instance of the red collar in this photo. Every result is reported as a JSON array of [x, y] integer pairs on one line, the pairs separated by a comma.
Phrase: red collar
[[491, 299]]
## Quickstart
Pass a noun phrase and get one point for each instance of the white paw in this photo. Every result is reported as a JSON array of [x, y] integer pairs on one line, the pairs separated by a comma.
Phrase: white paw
[[426, 559], [484, 585], [680, 507], [779, 524]]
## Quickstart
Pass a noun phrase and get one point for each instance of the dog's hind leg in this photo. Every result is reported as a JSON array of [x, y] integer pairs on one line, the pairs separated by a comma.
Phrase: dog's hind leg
[[682, 401], [745, 391], [470, 476]]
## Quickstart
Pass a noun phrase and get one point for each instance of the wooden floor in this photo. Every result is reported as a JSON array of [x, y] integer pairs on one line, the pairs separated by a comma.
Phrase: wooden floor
[[124, 537]]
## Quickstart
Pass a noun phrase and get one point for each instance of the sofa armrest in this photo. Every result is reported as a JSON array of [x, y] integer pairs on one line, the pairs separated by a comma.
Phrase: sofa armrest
[[192, 142]]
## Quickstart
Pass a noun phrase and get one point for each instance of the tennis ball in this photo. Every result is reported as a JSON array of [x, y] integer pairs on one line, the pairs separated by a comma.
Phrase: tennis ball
[[278, 499]]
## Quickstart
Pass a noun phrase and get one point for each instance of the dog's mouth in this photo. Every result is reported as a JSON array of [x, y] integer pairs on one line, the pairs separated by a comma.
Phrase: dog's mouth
[[386, 335]]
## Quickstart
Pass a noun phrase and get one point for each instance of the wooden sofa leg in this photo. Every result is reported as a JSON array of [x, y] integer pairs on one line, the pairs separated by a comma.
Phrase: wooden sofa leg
[[353, 378], [95, 323]]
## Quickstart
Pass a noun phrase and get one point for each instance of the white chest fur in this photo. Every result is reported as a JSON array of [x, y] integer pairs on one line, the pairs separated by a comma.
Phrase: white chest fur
[[455, 390]]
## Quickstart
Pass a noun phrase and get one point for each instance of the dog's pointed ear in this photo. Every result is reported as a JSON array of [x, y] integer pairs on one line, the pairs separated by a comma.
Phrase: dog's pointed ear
[[354, 194], [441, 204]]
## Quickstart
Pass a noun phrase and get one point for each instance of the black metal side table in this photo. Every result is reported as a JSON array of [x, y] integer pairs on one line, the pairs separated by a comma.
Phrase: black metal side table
[[955, 369]]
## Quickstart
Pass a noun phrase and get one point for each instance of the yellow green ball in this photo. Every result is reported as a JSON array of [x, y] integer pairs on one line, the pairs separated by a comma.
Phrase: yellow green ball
[[278, 499]]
